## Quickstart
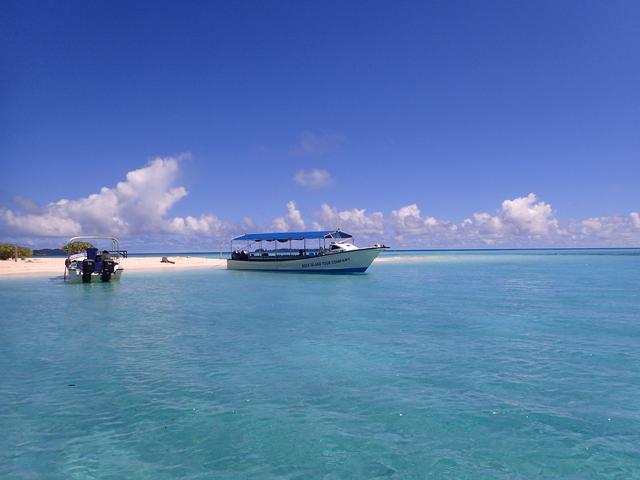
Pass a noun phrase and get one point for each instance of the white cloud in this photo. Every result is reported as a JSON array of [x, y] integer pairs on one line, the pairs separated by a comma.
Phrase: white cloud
[[408, 220], [293, 221], [520, 217], [209, 225], [519, 222], [409, 226], [137, 205], [609, 230], [528, 216], [486, 224], [355, 220], [43, 224], [247, 222], [313, 179]]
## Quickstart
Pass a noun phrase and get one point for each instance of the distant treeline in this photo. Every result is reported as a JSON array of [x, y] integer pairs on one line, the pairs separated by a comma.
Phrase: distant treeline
[[8, 250], [48, 252]]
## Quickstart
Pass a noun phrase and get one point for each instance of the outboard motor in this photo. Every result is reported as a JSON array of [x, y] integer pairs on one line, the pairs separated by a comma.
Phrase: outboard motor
[[87, 269], [108, 267]]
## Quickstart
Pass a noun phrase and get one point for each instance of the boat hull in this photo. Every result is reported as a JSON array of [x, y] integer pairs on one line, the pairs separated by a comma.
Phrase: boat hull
[[354, 261]]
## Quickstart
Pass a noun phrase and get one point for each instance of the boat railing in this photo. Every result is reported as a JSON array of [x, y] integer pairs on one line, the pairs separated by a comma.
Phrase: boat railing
[[285, 252], [113, 253]]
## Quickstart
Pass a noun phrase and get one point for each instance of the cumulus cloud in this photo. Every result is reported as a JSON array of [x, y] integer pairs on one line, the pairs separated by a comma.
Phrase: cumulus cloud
[[486, 224], [609, 230], [408, 220], [354, 220], [522, 221], [409, 224], [137, 205], [519, 222], [316, 144], [528, 216], [522, 216], [313, 179], [293, 221], [46, 224], [209, 225]]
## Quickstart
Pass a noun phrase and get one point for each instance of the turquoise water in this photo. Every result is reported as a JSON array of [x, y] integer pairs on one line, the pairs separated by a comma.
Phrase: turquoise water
[[466, 365]]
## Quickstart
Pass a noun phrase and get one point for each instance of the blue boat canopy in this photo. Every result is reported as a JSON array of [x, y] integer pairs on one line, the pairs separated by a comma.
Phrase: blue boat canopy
[[286, 236]]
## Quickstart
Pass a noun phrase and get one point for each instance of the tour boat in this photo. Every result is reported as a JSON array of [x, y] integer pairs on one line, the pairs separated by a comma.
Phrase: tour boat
[[94, 265], [339, 256]]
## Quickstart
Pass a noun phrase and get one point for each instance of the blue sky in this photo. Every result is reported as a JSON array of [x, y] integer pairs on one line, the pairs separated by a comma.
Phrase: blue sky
[[454, 107]]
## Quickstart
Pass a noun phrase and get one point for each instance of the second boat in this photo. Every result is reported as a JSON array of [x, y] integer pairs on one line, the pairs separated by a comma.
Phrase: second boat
[[334, 254]]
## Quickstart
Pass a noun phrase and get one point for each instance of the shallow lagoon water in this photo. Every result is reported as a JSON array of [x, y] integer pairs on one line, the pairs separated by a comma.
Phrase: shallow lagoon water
[[432, 365]]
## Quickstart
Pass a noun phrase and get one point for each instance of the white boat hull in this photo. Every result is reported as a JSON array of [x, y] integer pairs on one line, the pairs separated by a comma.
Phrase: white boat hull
[[353, 261]]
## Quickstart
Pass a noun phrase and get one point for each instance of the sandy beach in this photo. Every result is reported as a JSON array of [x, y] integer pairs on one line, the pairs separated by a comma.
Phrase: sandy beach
[[55, 266]]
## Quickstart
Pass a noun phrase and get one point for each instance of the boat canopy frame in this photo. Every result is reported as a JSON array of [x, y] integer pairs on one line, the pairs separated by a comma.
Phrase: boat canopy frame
[[287, 236], [283, 237], [114, 243]]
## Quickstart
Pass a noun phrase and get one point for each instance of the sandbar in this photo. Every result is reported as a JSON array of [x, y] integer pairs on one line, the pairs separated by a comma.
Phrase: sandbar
[[55, 266]]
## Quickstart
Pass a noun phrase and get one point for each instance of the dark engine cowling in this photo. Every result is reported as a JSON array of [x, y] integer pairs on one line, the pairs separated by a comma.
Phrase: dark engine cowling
[[87, 269], [108, 267]]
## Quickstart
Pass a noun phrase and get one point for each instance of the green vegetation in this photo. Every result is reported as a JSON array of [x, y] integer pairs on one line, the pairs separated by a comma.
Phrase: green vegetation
[[76, 247], [8, 250], [48, 252]]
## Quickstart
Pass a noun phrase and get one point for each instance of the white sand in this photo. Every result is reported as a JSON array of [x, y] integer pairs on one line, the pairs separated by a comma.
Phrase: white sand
[[55, 266]]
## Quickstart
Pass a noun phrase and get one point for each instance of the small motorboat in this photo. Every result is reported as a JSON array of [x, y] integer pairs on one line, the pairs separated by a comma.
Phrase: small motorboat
[[339, 256], [94, 265]]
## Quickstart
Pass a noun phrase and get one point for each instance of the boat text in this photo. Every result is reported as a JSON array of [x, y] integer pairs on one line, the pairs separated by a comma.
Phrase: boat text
[[325, 263]]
